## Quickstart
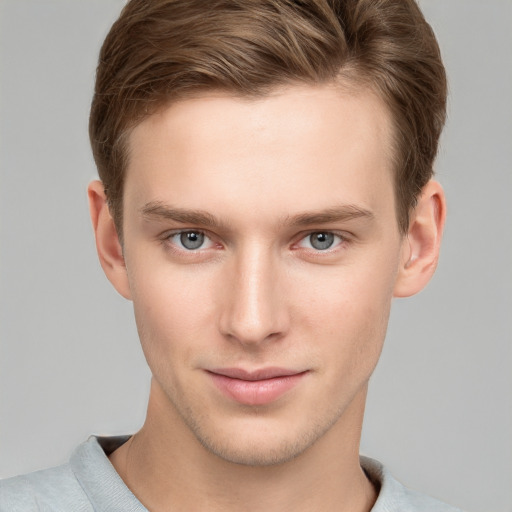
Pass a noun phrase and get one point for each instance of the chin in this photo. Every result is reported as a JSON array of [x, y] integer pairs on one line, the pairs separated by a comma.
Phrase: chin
[[260, 443], [253, 453]]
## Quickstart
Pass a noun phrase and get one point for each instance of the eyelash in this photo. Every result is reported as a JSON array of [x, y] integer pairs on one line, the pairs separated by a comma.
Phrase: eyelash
[[335, 244], [167, 239]]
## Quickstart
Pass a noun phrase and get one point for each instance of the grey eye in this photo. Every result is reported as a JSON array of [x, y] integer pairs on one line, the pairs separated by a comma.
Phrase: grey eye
[[191, 239], [321, 240]]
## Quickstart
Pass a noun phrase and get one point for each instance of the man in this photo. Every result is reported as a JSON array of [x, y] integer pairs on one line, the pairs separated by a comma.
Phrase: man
[[265, 192]]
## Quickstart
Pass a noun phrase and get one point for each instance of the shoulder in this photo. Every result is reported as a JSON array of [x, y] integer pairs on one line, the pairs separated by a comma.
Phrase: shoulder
[[87, 483], [55, 489], [395, 497]]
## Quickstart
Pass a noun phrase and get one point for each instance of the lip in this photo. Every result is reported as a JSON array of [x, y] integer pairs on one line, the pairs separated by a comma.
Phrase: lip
[[257, 387]]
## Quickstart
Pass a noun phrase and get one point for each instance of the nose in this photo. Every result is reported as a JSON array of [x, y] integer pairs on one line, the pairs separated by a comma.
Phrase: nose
[[254, 303]]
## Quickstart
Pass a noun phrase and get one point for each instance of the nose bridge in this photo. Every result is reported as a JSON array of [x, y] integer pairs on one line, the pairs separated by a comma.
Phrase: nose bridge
[[254, 310]]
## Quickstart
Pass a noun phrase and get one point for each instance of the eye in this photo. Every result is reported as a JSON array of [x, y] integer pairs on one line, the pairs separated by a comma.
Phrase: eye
[[320, 240], [191, 240]]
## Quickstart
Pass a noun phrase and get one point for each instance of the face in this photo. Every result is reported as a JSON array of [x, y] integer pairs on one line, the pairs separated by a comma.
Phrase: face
[[261, 249]]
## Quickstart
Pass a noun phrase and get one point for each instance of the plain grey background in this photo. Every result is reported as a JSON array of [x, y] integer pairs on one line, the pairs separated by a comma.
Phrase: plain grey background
[[439, 411]]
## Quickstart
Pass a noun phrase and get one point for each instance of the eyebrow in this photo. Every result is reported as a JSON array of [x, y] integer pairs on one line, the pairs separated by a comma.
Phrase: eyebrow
[[159, 210], [346, 212], [340, 213]]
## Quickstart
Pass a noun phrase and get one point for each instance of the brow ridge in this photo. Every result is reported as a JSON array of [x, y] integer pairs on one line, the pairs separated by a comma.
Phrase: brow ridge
[[158, 209], [345, 212], [340, 213]]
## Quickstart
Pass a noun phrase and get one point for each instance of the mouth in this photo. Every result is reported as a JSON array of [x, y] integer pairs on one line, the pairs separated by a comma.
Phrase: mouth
[[257, 387]]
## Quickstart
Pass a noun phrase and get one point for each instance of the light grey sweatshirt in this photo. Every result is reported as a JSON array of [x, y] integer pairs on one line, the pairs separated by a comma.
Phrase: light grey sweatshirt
[[89, 483]]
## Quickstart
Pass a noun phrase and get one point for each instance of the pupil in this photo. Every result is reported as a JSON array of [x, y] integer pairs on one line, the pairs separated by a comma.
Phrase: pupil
[[191, 239], [322, 241]]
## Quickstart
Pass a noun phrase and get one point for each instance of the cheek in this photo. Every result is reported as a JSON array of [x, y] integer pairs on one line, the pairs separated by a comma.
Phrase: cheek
[[344, 295], [346, 310], [172, 311]]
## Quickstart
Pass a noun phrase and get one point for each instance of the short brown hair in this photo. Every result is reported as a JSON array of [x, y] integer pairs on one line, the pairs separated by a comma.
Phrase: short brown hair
[[159, 51]]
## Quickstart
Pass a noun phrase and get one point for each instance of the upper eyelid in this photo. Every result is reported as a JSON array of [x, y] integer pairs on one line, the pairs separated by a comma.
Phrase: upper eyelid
[[324, 231], [172, 232], [342, 234]]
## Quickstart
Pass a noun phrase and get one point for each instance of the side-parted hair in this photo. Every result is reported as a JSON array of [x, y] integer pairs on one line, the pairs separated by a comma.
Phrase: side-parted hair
[[160, 51]]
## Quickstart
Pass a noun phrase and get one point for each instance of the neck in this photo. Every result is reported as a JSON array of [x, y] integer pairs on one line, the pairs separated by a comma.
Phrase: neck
[[164, 464]]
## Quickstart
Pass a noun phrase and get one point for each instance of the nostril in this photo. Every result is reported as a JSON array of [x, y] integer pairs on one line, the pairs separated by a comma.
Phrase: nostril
[[252, 326]]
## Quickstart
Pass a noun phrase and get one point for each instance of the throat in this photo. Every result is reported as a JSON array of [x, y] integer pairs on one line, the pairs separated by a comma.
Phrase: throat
[[299, 485]]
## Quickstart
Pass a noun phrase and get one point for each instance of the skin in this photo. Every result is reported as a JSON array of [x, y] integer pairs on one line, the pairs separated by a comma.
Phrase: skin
[[265, 174]]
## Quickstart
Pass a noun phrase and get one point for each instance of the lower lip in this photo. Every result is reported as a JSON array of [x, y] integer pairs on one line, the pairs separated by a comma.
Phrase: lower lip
[[256, 392]]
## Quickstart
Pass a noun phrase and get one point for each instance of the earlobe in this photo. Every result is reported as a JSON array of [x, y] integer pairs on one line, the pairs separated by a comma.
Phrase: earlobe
[[421, 245], [109, 248]]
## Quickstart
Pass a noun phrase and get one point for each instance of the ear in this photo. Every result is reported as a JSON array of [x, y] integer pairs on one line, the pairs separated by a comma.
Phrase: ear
[[420, 248], [110, 251]]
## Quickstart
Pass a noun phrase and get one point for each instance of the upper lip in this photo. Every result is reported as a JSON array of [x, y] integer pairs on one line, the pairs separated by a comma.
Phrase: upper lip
[[261, 374]]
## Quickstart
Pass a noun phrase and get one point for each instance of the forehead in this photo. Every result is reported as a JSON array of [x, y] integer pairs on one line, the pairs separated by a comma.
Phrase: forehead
[[298, 147]]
